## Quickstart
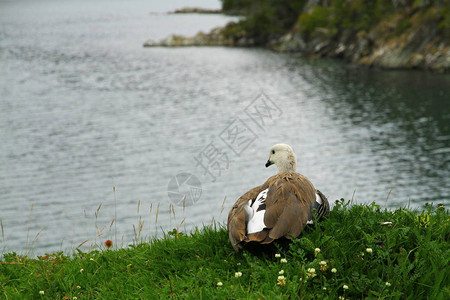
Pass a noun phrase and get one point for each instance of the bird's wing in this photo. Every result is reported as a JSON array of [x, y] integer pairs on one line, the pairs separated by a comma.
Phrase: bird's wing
[[288, 205], [324, 207], [236, 218]]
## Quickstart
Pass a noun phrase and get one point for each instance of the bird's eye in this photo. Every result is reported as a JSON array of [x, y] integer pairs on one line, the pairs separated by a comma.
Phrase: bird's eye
[[273, 151]]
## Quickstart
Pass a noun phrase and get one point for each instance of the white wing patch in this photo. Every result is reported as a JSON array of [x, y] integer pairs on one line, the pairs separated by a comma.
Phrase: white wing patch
[[254, 213], [318, 199], [320, 202]]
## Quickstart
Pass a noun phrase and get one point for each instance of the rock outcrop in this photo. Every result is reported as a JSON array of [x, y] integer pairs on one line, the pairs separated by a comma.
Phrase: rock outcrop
[[420, 46], [220, 36], [197, 10]]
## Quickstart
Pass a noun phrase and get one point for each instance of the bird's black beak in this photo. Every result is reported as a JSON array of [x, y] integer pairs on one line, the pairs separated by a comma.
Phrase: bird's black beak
[[268, 163]]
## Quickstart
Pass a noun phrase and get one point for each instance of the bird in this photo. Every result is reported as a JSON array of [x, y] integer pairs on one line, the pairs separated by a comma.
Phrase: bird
[[281, 207]]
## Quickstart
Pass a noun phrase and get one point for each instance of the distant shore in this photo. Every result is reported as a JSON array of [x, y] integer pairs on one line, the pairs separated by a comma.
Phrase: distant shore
[[196, 10], [407, 37]]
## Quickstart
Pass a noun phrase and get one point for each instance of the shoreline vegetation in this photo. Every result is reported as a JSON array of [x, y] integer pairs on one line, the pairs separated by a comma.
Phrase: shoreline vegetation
[[390, 34], [359, 251]]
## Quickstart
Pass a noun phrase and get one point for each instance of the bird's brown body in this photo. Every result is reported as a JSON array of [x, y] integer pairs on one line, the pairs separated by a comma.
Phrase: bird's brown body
[[288, 205]]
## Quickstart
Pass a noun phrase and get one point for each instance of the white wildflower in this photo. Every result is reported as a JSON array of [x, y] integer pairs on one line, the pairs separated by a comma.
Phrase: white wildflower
[[283, 260], [311, 272], [281, 280], [323, 265]]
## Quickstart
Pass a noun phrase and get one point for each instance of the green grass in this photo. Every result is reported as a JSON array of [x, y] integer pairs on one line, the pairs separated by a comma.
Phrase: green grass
[[411, 255]]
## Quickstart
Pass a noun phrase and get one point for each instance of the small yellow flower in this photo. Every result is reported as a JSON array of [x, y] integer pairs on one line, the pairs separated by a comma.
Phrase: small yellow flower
[[74, 298], [91, 259], [316, 251], [41, 292], [341, 298], [238, 274], [219, 283], [78, 287], [333, 270], [81, 270], [281, 272], [324, 288], [283, 260], [388, 283], [345, 287], [277, 255], [369, 250]]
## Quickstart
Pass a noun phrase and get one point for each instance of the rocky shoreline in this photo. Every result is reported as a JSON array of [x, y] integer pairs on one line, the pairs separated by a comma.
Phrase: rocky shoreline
[[418, 47], [213, 38]]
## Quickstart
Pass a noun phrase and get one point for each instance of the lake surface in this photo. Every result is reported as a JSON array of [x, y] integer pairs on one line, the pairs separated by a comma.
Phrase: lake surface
[[96, 128]]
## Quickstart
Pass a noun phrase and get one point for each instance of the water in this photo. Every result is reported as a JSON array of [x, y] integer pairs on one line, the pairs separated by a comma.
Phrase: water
[[85, 108]]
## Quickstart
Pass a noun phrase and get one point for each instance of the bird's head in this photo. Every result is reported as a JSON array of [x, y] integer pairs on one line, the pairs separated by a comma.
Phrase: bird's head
[[283, 157]]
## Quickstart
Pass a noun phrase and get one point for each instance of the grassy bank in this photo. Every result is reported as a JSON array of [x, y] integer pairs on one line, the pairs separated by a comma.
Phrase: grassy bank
[[360, 256]]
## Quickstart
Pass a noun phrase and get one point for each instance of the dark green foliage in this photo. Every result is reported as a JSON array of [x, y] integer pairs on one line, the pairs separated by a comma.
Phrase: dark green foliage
[[412, 255], [265, 19], [342, 14], [235, 5], [444, 22]]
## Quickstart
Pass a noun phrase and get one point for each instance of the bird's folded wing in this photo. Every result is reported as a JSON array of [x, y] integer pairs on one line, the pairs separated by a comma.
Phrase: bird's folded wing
[[236, 217], [288, 205], [324, 207]]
